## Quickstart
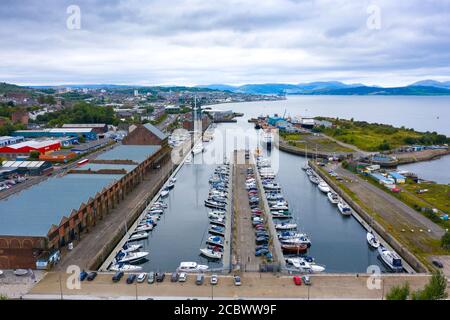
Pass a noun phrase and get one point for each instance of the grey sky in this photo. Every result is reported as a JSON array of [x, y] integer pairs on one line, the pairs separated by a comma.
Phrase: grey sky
[[200, 42]]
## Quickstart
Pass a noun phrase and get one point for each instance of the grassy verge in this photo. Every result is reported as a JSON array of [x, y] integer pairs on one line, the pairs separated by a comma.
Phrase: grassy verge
[[313, 143]]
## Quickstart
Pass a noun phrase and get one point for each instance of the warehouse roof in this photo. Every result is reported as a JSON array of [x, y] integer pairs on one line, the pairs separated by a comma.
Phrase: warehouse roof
[[135, 153], [84, 125], [23, 164], [33, 144], [33, 211], [107, 166], [161, 135]]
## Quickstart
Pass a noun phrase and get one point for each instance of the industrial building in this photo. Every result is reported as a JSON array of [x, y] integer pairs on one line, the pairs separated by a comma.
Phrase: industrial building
[[7, 140], [23, 149], [98, 128], [37, 222], [32, 168], [87, 133]]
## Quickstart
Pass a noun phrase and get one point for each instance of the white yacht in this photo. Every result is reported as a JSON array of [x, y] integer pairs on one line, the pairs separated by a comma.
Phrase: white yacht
[[125, 267], [304, 266], [211, 253], [138, 236], [164, 193], [198, 148], [123, 257], [344, 208], [391, 259], [286, 226], [372, 240], [192, 267], [333, 197], [131, 247], [145, 227], [323, 186]]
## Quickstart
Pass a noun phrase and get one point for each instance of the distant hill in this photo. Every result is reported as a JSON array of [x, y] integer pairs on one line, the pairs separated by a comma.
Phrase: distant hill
[[8, 88], [428, 87], [432, 83]]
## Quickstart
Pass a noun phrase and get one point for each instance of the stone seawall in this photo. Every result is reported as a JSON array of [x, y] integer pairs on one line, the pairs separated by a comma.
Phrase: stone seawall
[[404, 252]]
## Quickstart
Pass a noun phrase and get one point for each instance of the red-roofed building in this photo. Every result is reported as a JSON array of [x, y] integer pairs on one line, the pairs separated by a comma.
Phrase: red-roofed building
[[25, 148]]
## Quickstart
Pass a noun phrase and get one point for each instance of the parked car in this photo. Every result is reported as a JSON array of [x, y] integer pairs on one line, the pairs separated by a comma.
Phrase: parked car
[[438, 264], [83, 275], [174, 277], [141, 277], [237, 280], [297, 280], [131, 278], [214, 279], [91, 276], [182, 277], [199, 279], [306, 280], [261, 252], [151, 277], [160, 276], [117, 276]]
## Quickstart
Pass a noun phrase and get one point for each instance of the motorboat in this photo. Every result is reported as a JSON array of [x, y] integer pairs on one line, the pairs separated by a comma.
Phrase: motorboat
[[188, 159], [281, 214], [160, 204], [145, 227], [297, 241], [215, 241], [129, 257], [155, 211], [138, 236], [372, 240], [210, 253], [170, 185], [217, 214], [279, 206], [217, 199], [192, 267], [125, 267], [305, 266], [324, 187], [131, 247], [286, 226], [217, 230], [217, 221], [344, 208], [164, 193], [198, 149], [333, 197], [21, 272], [314, 179], [267, 139], [294, 248], [214, 204], [285, 235], [391, 259]]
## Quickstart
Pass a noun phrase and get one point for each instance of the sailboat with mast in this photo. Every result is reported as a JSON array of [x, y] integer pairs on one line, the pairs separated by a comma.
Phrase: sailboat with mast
[[306, 166]]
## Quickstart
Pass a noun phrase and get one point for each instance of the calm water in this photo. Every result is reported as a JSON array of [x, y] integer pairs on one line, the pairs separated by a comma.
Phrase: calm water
[[337, 242], [436, 170]]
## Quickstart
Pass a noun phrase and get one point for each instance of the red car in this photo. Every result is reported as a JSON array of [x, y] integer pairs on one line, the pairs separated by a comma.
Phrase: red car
[[297, 280]]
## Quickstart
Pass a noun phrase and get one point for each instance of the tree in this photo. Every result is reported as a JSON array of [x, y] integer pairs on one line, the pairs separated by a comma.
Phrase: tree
[[398, 292], [434, 290], [445, 241], [34, 154], [3, 297]]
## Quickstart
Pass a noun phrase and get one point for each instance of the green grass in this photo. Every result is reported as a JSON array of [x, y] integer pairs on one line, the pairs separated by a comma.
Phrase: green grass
[[303, 141], [378, 137]]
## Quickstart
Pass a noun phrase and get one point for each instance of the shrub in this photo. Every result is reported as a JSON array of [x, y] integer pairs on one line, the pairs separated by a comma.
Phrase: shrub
[[445, 241], [398, 292], [434, 290]]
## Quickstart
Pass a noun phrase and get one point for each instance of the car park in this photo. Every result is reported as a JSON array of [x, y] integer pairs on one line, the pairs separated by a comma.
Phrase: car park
[[117, 276], [91, 276], [131, 278]]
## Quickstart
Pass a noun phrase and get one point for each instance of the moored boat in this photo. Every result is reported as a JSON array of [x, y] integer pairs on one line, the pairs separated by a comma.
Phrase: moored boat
[[372, 240], [333, 197], [210, 253], [344, 208], [391, 259], [192, 267]]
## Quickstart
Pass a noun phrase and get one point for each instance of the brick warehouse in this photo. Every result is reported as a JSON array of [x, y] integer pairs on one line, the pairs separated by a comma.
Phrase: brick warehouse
[[33, 227]]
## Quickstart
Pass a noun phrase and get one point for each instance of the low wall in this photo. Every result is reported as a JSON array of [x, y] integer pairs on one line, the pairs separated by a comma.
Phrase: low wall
[[284, 146], [404, 252]]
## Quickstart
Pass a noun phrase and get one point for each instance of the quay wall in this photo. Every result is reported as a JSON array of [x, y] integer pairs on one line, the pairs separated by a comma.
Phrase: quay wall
[[403, 251], [283, 146]]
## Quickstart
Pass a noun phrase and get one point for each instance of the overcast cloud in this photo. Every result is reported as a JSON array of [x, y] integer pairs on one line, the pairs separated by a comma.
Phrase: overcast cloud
[[194, 42]]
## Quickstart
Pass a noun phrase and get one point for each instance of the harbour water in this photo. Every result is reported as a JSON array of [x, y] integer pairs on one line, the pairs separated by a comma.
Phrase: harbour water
[[338, 242]]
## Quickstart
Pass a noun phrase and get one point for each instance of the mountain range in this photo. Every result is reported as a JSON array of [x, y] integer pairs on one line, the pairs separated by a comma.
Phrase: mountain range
[[425, 87]]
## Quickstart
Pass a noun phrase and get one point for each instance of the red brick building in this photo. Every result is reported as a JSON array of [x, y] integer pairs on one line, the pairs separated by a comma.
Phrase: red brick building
[[146, 134], [20, 116]]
